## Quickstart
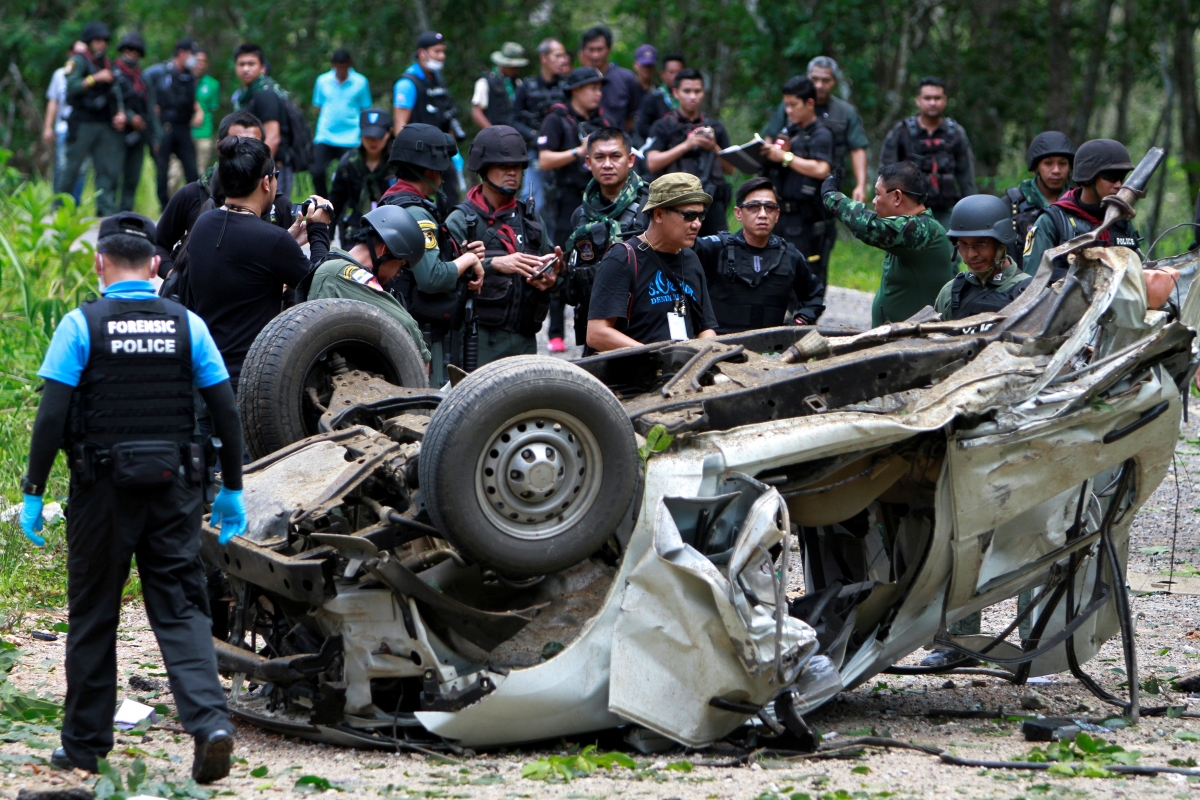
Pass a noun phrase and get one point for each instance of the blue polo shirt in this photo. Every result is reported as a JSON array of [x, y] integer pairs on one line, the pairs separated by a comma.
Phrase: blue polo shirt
[[71, 345], [340, 104], [404, 93]]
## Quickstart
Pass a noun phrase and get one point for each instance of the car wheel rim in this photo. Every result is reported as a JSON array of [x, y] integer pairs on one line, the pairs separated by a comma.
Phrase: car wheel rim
[[539, 474]]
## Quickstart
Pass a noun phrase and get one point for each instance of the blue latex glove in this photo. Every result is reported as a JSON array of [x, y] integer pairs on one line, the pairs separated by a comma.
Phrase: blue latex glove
[[228, 514], [31, 519]]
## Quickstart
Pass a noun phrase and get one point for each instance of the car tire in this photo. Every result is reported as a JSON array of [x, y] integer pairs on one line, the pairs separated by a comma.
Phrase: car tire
[[298, 350], [529, 465]]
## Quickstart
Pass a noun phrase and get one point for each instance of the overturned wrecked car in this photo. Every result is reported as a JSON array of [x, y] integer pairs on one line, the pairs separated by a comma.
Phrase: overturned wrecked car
[[519, 557]]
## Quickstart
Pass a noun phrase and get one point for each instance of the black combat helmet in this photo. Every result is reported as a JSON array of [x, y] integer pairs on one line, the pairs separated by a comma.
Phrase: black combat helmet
[[424, 147], [499, 144], [399, 230], [1099, 155], [982, 215], [93, 31], [1049, 143], [132, 41]]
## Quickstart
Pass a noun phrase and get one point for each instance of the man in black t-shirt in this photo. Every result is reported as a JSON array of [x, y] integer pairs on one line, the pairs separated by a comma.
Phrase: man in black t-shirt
[[652, 288], [260, 95], [688, 140]]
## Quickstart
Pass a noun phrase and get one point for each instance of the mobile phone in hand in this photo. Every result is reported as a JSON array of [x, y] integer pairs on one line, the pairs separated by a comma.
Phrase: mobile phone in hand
[[547, 265]]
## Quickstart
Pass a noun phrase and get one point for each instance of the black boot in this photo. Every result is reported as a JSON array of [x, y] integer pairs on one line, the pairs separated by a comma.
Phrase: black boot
[[212, 759], [60, 760]]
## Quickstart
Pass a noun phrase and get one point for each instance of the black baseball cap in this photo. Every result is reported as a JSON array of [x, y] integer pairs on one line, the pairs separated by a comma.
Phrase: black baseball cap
[[128, 223], [429, 39], [581, 76], [375, 122]]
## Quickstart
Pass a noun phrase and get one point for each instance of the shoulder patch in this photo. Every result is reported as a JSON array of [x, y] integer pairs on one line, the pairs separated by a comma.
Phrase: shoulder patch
[[1029, 240], [429, 228], [352, 272], [69, 67]]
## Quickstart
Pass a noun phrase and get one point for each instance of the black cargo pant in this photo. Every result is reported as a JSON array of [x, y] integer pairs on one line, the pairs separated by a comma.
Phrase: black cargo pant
[[106, 525], [176, 140]]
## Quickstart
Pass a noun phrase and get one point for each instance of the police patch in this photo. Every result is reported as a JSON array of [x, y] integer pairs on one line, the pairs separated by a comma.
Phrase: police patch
[[359, 275], [1029, 241], [430, 230], [586, 252]]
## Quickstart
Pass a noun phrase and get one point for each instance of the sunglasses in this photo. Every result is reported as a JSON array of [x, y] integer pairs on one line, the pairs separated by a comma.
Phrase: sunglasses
[[1114, 176], [690, 216], [274, 175], [758, 207]]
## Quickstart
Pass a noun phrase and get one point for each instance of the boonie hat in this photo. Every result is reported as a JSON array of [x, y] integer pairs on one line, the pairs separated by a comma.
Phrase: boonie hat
[[676, 189], [375, 122], [128, 223], [429, 39], [510, 55], [582, 76], [646, 55]]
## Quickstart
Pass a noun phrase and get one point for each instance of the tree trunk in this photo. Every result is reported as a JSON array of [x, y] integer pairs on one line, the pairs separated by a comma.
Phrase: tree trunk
[[1125, 87], [1087, 94], [1058, 63], [1184, 69]]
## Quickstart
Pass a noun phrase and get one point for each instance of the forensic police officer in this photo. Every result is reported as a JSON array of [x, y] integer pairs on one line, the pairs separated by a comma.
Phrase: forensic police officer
[[513, 302], [388, 239], [434, 289], [937, 145], [753, 274], [95, 127], [141, 125], [1100, 168], [981, 228], [120, 374], [1049, 156], [363, 174], [798, 171], [420, 95], [611, 213]]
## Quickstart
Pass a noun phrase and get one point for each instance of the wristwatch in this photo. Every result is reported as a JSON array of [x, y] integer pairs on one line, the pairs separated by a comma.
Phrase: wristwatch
[[788, 158], [28, 487]]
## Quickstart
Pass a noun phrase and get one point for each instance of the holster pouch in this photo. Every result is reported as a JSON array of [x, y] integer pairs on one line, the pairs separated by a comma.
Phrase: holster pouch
[[145, 465]]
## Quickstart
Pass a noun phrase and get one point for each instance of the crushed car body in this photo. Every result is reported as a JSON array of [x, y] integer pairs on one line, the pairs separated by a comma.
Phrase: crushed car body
[[509, 559]]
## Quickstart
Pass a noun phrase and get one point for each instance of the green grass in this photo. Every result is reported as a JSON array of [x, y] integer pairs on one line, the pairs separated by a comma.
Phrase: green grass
[[854, 265]]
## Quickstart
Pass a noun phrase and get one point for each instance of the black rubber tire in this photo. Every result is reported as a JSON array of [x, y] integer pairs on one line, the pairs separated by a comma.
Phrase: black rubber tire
[[271, 391], [465, 426]]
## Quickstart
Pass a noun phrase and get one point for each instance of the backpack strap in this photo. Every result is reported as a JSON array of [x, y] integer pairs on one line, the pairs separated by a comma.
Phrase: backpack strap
[[633, 255]]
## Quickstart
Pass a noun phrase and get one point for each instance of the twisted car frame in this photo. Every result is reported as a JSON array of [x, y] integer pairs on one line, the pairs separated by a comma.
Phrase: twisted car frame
[[500, 562]]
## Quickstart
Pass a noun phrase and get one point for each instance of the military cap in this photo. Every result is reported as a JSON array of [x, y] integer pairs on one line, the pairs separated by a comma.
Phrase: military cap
[[375, 122], [581, 76], [429, 39], [676, 189], [128, 223]]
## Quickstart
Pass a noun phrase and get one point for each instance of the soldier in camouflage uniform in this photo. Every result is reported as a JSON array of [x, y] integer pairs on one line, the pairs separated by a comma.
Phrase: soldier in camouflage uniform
[[917, 264], [1050, 156]]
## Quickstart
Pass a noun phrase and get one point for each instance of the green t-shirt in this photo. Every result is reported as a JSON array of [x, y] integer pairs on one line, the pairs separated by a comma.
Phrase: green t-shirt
[[208, 95]]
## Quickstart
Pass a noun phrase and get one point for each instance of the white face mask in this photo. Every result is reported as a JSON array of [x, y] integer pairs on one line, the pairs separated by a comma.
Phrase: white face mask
[[190, 63], [434, 66]]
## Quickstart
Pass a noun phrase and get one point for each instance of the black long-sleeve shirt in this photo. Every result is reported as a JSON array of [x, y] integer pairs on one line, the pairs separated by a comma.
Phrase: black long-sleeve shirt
[[240, 265]]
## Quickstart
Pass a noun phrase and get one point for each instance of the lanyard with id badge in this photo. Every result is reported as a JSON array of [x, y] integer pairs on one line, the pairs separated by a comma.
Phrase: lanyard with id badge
[[677, 320]]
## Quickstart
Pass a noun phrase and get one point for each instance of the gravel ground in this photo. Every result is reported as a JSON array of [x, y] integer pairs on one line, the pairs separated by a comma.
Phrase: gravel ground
[[1168, 645]]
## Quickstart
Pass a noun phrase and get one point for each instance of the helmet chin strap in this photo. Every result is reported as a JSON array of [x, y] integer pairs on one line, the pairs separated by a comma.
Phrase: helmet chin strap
[[504, 190], [376, 260]]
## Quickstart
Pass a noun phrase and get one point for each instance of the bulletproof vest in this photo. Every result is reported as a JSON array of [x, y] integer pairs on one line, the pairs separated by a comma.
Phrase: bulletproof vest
[[434, 105], [175, 92], [134, 93], [968, 299], [1120, 234], [442, 310], [94, 104], [704, 164], [541, 98], [836, 116], [935, 157], [574, 177], [137, 383], [752, 291], [508, 301], [1024, 214], [499, 108], [800, 194], [364, 187]]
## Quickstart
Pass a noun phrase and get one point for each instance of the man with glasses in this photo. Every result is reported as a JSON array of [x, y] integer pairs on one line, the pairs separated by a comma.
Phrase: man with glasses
[[612, 212], [652, 288], [797, 170], [917, 264], [753, 274], [1100, 169]]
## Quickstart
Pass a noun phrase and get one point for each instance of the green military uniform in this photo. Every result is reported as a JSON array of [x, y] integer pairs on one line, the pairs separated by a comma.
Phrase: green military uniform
[[497, 342], [356, 189], [1003, 281], [1045, 234], [918, 260], [342, 277], [1028, 203], [90, 131]]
